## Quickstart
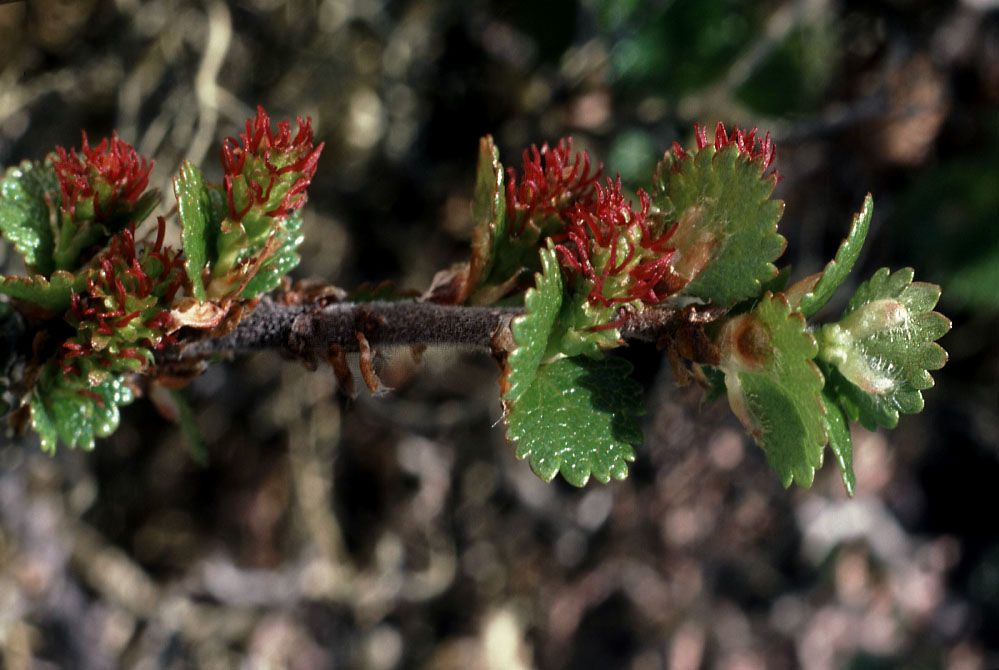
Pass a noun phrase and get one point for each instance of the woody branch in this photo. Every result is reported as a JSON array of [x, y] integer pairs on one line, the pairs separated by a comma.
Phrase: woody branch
[[310, 330]]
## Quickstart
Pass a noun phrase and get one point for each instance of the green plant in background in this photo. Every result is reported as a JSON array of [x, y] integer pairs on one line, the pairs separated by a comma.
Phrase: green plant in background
[[690, 59], [958, 200], [565, 267]]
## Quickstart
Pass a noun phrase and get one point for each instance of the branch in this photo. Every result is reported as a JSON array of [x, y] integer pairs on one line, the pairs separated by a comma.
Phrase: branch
[[310, 331]]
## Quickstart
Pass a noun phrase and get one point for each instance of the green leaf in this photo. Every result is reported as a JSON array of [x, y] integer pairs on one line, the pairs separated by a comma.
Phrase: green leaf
[[867, 408], [838, 430], [946, 218], [773, 387], [199, 224], [499, 256], [726, 237], [574, 334], [488, 210], [837, 270], [52, 294], [776, 285], [29, 201], [280, 263], [579, 417], [532, 330], [779, 282], [67, 409], [884, 346]]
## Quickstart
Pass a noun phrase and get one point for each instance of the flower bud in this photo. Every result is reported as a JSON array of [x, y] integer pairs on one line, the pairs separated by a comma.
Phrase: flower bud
[[267, 172], [99, 182]]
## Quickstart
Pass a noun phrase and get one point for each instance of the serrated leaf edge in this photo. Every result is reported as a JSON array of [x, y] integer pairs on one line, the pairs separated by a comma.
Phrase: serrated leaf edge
[[578, 473], [523, 362], [837, 270]]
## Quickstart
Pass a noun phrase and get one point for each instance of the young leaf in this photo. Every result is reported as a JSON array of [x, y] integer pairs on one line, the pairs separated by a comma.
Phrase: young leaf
[[535, 205], [488, 211], [62, 410], [726, 237], [532, 330], [52, 294], [582, 325], [280, 263], [199, 222], [29, 200], [884, 346], [773, 387], [457, 284], [579, 417], [810, 299], [838, 430]]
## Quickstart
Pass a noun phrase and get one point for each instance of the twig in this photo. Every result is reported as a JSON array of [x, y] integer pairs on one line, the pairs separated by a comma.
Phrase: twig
[[312, 332]]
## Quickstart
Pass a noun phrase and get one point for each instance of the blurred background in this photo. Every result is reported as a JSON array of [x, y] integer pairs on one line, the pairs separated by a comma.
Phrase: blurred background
[[399, 531]]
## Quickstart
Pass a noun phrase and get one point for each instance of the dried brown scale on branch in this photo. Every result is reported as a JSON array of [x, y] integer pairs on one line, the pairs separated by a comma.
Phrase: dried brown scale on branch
[[367, 363], [685, 339], [337, 358]]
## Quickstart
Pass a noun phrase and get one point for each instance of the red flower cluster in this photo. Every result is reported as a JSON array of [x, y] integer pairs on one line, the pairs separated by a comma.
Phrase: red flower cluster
[[552, 189], [609, 222], [276, 161], [746, 141], [104, 175], [122, 276]]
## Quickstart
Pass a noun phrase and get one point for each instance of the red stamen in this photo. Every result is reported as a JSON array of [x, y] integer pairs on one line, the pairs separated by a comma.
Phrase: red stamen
[[93, 396], [124, 321], [159, 321]]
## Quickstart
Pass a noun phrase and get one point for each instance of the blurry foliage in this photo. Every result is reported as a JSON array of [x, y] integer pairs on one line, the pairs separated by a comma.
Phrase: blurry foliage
[[692, 45], [679, 50], [663, 54], [633, 153], [794, 77], [949, 216]]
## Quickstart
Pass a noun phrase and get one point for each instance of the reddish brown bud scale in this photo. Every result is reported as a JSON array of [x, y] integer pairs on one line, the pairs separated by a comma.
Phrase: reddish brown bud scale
[[752, 343], [745, 343]]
